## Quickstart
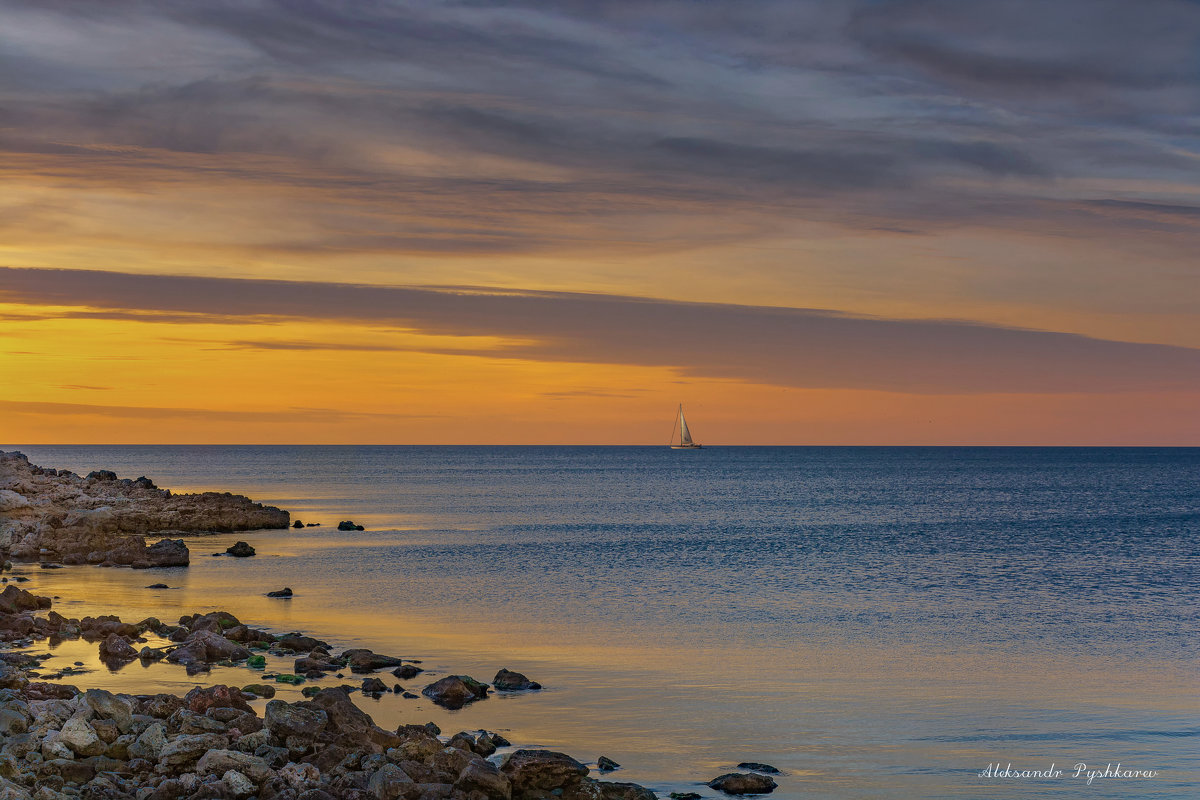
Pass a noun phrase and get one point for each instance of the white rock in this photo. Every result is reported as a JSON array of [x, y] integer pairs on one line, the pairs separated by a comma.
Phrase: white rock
[[53, 748], [78, 735]]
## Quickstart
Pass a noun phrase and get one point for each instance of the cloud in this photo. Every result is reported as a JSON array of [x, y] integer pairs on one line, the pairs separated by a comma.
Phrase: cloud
[[782, 346], [280, 416]]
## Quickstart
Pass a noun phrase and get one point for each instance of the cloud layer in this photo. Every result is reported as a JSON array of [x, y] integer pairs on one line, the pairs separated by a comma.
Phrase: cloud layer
[[765, 345], [473, 127]]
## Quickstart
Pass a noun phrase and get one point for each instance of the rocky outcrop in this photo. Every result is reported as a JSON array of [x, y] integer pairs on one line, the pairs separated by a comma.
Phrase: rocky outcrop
[[240, 550], [55, 515]]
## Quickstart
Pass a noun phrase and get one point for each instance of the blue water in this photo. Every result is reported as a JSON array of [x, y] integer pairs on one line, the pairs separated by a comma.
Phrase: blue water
[[876, 621]]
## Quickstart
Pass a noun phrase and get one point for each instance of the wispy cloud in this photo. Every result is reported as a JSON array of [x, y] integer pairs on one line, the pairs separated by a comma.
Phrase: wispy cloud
[[783, 346]]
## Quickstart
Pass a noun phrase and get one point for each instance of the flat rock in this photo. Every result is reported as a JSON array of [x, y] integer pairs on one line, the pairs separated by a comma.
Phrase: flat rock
[[743, 783]]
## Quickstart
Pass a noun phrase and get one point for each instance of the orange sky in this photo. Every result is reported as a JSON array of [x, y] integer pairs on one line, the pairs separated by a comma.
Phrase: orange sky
[[816, 237]]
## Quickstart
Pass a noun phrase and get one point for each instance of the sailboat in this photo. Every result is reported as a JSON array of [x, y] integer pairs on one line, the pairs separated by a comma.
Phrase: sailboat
[[685, 435]]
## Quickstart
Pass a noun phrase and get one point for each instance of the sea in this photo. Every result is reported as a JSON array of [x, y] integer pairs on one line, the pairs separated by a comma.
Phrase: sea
[[916, 622]]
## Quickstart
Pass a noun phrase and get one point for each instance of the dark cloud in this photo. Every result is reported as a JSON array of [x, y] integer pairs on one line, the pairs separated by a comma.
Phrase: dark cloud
[[783, 346]]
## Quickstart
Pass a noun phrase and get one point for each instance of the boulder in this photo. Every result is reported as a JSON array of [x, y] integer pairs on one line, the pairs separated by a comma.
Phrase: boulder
[[373, 686], [294, 719], [367, 661], [284, 592], [407, 672], [347, 525], [606, 764], [107, 705], [537, 773], [508, 681], [743, 783], [389, 783], [484, 777], [164, 553], [78, 735], [184, 749], [116, 648], [240, 550], [200, 700], [218, 762], [455, 691]]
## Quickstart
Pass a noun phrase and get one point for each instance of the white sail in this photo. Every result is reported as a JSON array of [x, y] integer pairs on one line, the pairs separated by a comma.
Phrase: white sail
[[685, 436]]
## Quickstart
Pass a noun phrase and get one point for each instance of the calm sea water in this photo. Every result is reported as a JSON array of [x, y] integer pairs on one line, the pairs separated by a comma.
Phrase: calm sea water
[[876, 622]]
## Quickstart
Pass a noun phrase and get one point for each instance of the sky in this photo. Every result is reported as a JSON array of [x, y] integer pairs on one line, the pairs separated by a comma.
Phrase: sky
[[856, 222]]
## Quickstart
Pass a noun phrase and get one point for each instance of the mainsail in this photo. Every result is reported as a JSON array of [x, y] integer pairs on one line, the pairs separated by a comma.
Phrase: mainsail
[[685, 436]]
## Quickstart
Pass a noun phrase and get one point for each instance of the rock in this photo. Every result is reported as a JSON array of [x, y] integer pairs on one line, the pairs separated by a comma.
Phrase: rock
[[238, 784], [158, 586], [297, 524], [78, 735], [260, 690], [150, 744], [407, 672], [389, 783], [284, 720], [284, 592], [185, 749], [200, 700], [108, 706], [743, 783], [367, 661], [455, 691], [207, 647], [513, 682], [218, 762], [483, 776], [755, 766], [606, 764], [11, 501], [164, 553], [115, 648], [611, 790], [537, 773], [684, 796], [240, 550], [347, 525], [373, 686]]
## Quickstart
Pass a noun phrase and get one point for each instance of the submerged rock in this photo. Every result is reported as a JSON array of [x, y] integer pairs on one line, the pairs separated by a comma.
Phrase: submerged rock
[[347, 525], [606, 764], [407, 671], [240, 550], [455, 691], [509, 681], [284, 592], [743, 783]]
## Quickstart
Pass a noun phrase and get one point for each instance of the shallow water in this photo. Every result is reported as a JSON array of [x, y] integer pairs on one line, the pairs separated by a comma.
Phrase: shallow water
[[879, 622]]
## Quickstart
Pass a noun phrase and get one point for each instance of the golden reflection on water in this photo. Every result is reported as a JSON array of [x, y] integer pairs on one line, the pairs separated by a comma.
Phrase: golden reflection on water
[[842, 718]]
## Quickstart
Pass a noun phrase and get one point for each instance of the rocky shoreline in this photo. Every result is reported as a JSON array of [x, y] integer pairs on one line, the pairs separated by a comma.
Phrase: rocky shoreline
[[56, 516], [57, 741]]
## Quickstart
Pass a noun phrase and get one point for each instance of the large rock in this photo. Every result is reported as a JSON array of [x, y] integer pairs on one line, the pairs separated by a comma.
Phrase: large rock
[[367, 661], [240, 550], [218, 762], [184, 750], [455, 691], [107, 705], [164, 553], [116, 648], [207, 646], [78, 735], [534, 774], [509, 681], [200, 699], [294, 719], [743, 783]]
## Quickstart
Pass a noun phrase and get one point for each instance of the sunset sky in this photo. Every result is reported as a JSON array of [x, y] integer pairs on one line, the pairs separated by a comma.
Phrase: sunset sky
[[858, 222]]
